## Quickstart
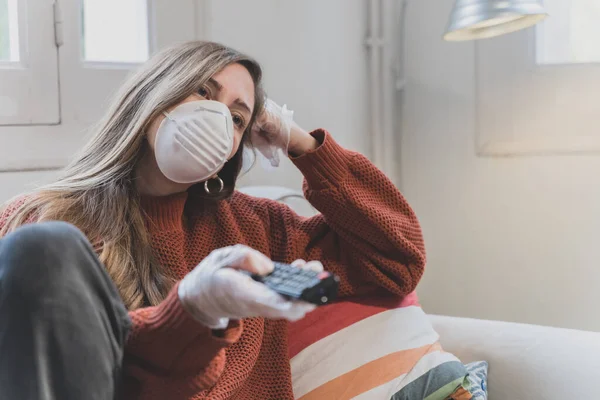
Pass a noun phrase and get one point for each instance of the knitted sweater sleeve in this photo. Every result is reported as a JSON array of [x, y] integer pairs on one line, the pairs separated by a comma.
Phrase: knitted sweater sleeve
[[171, 355], [366, 232], [8, 209]]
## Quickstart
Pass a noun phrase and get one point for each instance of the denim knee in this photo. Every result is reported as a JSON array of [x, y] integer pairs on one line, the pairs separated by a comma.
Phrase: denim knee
[[36, 256]]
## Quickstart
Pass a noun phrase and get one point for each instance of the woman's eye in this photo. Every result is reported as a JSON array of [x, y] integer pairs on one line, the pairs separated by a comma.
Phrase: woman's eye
[[238, 121], [204, 92]]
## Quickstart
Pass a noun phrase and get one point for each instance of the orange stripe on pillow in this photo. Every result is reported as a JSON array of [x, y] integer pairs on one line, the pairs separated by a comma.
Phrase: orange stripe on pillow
[[371, 375]]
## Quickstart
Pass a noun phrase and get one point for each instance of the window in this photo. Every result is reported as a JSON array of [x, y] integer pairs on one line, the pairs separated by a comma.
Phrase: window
[[538, 90], [127, 39], [100, 41], [571, 33], [28, 66], [9, 31]]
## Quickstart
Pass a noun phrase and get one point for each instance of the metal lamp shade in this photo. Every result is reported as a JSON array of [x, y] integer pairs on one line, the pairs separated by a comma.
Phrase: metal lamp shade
[[479, 19]]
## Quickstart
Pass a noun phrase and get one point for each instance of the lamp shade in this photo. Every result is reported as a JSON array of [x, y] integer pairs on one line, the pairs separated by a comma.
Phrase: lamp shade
[[479, 19]]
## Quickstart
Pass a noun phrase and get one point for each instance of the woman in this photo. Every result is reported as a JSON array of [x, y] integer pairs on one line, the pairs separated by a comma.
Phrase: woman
[[140, 292]]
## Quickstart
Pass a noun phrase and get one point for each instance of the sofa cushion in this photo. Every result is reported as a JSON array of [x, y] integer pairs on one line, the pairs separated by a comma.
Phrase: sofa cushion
[[477, 378], [371, 348]]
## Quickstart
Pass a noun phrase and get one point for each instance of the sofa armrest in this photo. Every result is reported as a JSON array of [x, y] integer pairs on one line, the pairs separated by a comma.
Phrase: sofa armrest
[[526, 361]]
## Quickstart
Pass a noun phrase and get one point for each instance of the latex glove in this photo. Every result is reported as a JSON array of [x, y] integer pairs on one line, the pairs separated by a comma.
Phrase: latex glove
[[270, 134], [216, 291]]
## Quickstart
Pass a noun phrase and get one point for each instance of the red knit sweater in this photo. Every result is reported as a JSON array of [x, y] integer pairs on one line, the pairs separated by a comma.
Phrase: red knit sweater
[[367, 234]]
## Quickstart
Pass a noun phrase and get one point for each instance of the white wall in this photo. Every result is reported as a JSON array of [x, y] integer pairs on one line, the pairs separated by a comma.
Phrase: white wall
[[508, 238], [14, 183], [313, 57]]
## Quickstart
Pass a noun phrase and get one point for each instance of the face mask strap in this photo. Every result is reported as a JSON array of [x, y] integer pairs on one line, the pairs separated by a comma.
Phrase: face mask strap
[[168, 116]]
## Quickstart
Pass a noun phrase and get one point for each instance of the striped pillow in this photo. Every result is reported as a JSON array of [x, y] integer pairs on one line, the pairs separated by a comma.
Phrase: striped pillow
[[375, 348]]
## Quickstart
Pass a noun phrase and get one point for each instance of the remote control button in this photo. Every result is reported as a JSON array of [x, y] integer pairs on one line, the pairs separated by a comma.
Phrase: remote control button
[[299, 283]]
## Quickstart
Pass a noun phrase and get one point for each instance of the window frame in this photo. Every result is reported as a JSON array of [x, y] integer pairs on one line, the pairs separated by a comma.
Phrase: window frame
[[85, 90], [29, 91]]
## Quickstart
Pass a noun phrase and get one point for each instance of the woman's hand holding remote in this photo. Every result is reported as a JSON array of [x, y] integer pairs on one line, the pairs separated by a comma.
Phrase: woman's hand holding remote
[[216, 290]]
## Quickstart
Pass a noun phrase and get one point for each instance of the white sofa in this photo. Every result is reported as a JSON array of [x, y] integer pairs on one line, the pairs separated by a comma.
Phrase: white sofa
[[526, 362]]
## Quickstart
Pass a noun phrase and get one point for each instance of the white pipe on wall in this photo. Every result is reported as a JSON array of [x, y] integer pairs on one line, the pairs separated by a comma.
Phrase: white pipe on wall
[[388, 92], [374, 44], [384, 41], [393, 85]]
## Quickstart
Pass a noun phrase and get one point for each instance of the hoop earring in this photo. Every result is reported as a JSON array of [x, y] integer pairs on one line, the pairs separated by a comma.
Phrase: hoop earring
[[220, 182]]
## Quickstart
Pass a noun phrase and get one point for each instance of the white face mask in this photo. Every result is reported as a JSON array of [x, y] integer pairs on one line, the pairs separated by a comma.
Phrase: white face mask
[[194, 141]]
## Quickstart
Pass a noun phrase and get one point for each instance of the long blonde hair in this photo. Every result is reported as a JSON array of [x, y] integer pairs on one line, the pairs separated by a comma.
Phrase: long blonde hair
[[96, 191]]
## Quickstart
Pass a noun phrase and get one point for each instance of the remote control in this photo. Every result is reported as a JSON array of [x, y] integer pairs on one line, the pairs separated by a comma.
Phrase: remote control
[[293, 282]]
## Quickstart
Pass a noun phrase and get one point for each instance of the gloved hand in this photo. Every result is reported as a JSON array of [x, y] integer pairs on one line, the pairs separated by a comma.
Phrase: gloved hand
[[270, 134], [216, 290]]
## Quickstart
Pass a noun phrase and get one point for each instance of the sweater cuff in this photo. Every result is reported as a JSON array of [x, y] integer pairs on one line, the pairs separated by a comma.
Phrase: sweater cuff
[[325, 166], [161, 333], [170, 315]]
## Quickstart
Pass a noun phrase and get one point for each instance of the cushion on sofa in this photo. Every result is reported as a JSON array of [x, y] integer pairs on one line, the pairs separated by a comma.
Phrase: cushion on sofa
[[477, 379], [371, 348]]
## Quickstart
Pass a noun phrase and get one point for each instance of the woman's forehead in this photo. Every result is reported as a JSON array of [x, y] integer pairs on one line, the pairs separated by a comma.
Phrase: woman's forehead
[[236, 83]]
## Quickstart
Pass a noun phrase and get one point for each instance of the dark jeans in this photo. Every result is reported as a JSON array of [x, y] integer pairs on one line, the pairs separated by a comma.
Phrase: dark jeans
[[62, 323]]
